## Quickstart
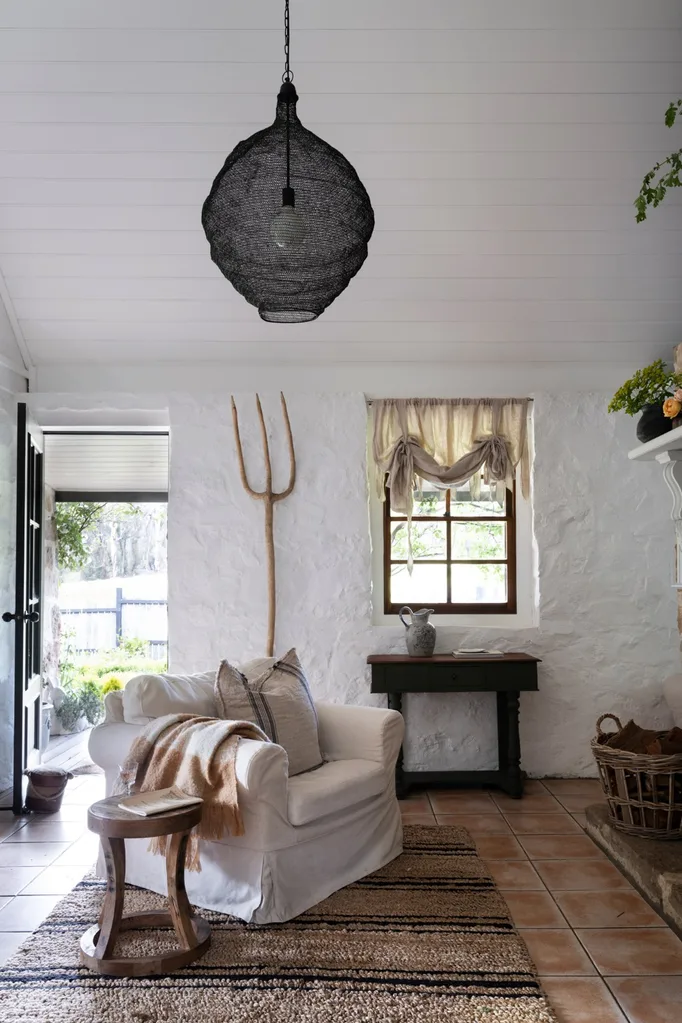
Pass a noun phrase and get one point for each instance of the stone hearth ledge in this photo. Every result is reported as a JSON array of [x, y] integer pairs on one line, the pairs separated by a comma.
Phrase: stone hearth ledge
[[652, 866]]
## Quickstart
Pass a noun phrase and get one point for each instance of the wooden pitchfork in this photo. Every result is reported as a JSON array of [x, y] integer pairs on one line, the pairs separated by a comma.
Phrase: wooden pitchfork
[[270, 497]]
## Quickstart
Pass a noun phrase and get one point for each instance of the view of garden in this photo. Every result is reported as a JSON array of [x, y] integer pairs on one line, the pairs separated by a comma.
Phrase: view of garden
[[476, 552], [112, 611]]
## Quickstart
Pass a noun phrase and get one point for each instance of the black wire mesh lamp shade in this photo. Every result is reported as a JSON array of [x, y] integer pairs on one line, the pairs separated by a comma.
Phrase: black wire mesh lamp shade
[[288, 219]]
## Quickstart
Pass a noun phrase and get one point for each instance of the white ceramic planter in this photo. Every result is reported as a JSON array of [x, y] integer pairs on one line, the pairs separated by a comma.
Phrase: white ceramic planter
[[56, 727]]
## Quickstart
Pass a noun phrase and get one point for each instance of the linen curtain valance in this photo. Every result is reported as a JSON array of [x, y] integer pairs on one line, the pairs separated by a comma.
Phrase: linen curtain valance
[[448, 441]]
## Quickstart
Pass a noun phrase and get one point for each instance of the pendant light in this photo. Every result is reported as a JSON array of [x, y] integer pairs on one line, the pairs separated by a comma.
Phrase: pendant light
[[288, 219]]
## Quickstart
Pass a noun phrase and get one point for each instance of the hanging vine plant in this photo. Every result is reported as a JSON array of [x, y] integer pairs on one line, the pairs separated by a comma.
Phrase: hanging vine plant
[[663, 175]]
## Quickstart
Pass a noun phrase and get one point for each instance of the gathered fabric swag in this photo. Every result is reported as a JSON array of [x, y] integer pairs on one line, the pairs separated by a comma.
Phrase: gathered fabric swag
[[447, 442]]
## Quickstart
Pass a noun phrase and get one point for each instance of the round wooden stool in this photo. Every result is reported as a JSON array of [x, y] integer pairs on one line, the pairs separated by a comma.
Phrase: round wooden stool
[[113, 825]]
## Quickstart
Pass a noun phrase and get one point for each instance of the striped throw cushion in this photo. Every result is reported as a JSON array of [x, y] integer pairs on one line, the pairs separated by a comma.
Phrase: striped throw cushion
[[275, 695]]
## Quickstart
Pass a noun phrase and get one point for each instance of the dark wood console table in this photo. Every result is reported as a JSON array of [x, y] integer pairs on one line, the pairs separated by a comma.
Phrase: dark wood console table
[[508, 676]]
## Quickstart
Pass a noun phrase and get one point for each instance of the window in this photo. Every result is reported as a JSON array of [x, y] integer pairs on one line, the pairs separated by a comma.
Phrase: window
[[464, 552]]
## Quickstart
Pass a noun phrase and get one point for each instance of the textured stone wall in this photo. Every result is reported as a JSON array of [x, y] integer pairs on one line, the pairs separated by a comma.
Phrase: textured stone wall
[[606, 610]]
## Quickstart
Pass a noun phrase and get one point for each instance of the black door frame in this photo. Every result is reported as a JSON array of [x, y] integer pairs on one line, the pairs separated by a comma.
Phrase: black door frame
[[27, 603]]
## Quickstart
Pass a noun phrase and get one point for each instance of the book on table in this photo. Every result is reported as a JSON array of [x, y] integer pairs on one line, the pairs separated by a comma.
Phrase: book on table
[[477, 652], [146, 804]]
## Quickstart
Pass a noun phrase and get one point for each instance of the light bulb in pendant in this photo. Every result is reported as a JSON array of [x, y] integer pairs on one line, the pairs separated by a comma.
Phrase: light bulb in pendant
[[288, 228]]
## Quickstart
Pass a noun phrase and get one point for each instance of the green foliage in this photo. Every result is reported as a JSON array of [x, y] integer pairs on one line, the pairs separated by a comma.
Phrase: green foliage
[[74, 521], [112, 685], [118, 663], [83, 699], [68, 672], [649, 386], [73, 518], [653, 190], [70, 712], [134, 647], [87, 681], [91, 701], [428, 540]]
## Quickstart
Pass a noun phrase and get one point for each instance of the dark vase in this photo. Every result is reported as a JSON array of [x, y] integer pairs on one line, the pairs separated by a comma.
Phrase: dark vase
[[652, 423]]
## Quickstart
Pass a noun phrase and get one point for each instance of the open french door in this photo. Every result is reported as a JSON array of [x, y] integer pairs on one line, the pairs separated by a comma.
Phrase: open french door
[[28, 596]]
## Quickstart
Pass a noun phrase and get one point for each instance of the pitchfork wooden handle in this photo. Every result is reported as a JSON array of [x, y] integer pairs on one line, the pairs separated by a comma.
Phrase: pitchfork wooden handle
[[269, 498]]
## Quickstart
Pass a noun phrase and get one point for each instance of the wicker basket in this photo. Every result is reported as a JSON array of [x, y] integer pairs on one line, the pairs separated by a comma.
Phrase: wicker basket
[[644, 791]]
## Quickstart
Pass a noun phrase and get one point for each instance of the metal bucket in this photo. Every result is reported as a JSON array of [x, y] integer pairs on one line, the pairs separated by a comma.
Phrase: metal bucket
[[46, 787]]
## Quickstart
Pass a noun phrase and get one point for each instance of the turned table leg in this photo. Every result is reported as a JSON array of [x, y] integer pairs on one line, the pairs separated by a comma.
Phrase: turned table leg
[[509, 743], [178, 903], [395, 702], [112, 908]]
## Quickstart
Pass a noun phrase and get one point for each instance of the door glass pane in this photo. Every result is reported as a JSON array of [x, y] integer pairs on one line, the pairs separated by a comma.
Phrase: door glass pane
[[479, 584], [428, 501], [427, 585], [428, 540], [462, 503], [484, 541]]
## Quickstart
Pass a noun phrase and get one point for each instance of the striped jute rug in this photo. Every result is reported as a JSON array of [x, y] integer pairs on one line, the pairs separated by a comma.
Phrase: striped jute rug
[[427, 939]]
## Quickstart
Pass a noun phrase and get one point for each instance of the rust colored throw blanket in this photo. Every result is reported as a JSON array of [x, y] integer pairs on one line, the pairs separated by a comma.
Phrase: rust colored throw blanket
[[198, 755]]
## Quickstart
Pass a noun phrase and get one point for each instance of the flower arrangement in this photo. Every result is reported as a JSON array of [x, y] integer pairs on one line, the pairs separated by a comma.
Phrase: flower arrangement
[[653, 385], [673, 406]]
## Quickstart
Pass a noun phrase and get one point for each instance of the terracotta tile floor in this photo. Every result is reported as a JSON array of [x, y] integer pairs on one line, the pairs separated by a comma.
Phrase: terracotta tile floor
[[41, 859], [603, 955]]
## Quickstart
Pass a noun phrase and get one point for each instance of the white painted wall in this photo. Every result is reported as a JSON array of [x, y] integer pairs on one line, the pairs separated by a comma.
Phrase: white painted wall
[[606, 630], [607, 613]]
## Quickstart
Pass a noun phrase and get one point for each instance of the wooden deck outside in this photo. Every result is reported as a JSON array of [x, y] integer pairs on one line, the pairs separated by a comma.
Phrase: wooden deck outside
[[68, 751]]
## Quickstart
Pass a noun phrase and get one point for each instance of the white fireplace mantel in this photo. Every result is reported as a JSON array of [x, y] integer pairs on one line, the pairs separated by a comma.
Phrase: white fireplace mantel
[[667, 451], [662, 449]]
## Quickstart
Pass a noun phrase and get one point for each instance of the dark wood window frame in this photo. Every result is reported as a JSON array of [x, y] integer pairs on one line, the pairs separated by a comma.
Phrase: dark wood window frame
[[503, 608]]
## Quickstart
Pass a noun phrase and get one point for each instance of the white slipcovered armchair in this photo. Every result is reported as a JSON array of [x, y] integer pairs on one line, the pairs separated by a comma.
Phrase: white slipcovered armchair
[[305, 837]]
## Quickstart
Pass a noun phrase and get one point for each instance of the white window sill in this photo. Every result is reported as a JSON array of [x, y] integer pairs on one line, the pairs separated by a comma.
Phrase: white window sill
[[497, 622]]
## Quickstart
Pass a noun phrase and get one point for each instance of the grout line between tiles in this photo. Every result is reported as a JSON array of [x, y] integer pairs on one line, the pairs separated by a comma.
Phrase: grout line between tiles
[[621, 1006]]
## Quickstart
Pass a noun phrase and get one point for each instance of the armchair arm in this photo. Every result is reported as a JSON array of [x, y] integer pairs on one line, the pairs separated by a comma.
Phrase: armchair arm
[[261, 769], [113, 707], [262, 774], [363, 733]]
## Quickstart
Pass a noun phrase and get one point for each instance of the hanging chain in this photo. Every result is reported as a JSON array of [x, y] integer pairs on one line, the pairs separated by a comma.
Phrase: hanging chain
[[288, 75]]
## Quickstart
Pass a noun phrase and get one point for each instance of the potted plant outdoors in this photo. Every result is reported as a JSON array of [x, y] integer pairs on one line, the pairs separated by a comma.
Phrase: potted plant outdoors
[[656, 392]]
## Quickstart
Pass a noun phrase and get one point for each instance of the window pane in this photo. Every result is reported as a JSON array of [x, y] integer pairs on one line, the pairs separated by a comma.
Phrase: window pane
[[461, 502], [479, 540], [427, 585], [479, 584], [428, 540], [428, 501]]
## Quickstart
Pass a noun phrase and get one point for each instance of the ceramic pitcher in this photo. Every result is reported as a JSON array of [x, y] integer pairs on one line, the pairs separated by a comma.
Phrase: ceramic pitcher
[[421, 634]]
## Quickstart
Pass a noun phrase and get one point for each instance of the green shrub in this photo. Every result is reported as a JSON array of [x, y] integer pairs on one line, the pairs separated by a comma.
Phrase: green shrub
[[70, 711], [86, 681], [92, 705], [111, 685], [82, 698], [134, 648]]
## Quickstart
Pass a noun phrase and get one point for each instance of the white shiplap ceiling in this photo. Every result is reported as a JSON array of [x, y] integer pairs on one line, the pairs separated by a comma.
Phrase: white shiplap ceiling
[[502, 145], [106, 463]]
